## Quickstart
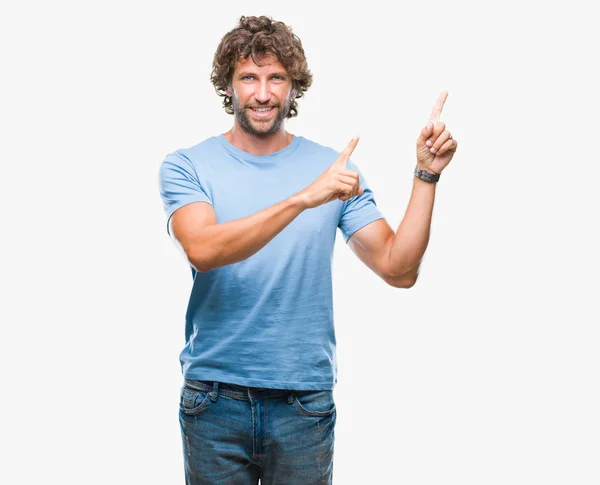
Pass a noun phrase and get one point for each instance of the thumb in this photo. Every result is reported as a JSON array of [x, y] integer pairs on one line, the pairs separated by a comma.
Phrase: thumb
[[346, 152], [426, 133]]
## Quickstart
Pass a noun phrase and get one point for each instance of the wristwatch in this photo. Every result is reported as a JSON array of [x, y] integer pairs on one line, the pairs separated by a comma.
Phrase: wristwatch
[[427, 176]]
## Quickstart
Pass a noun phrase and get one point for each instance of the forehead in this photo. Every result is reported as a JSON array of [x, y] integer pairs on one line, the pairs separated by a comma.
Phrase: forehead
[[268, 64]]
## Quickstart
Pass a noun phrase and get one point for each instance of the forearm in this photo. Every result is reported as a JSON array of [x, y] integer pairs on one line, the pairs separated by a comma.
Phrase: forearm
[[233, 241], [410, 242]]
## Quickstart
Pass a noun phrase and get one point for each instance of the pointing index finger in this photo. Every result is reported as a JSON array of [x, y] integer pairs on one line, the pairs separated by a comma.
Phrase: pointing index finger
[[437, 107], [346, 152]]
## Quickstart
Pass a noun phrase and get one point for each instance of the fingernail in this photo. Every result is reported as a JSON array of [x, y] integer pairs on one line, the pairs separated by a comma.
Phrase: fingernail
[[428, 143], [432, 150]]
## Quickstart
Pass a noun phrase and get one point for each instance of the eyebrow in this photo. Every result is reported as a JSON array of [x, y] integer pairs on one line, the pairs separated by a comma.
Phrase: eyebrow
[[249, 73]]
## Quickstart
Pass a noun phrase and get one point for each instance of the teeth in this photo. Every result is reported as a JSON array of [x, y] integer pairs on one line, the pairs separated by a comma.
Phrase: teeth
[[262, 109]]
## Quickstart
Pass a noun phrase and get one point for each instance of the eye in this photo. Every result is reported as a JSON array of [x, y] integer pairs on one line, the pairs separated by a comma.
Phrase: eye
[[279, 78], [247, 77]]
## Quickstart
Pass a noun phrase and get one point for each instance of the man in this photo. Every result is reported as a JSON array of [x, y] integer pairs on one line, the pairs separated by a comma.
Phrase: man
[[255, 212]]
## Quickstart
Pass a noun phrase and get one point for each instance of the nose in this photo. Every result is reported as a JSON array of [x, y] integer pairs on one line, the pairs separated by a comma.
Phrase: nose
[[262, 93]]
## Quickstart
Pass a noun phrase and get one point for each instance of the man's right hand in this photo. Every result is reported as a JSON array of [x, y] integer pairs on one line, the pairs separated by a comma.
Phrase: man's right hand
[[337, 182]]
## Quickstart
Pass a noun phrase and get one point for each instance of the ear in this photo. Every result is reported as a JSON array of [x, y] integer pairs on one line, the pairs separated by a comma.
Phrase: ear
[[228, 92], [293, 94]]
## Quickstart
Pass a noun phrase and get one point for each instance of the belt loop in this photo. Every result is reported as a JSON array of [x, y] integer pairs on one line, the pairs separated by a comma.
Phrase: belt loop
[[290, 398], [215, 392]]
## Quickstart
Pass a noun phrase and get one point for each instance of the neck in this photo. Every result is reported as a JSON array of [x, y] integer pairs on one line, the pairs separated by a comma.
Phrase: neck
[[258, 145]]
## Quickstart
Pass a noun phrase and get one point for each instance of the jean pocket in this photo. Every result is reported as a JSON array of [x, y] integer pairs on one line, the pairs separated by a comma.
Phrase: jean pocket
[[193, 401], [314, 403]]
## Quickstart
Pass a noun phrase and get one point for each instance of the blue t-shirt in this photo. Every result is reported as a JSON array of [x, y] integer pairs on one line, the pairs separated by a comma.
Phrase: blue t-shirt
[[266, 321]]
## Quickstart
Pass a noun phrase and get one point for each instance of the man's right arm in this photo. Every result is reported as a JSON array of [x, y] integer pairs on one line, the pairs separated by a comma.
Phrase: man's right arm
[[209, 245]]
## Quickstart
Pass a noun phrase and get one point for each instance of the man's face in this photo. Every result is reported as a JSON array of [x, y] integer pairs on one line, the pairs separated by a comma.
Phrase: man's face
[[261, 95]]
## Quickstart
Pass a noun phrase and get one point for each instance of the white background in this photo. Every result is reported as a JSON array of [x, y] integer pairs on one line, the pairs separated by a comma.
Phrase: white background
[[486, 372]]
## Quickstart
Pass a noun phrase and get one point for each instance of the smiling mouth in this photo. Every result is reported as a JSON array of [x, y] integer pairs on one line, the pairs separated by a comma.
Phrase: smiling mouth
[[265, 109]]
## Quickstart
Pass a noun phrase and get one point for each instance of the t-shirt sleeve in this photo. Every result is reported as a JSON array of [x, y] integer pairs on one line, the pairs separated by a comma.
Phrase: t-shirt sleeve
[[360, 210], [179, 184]]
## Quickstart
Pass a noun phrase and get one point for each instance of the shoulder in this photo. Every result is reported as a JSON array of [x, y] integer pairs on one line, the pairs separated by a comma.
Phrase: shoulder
[[327, 152], [194, 154], [321, 154], [201, 149], [313, 146]]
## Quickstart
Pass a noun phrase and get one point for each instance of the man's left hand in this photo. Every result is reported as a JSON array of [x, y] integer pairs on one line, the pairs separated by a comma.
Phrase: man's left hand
[[435, 145]]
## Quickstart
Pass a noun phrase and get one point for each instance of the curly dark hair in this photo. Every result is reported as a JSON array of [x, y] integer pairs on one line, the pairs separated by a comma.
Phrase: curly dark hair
[[258, 37]]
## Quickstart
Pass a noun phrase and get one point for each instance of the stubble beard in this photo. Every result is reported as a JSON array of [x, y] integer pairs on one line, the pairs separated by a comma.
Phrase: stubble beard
[[261, 128]]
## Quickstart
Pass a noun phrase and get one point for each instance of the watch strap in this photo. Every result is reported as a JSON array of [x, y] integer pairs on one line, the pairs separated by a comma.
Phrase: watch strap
[[427, 176]]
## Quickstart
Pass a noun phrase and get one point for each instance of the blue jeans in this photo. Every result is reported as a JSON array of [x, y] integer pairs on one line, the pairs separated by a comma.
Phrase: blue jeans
[[235, 435]]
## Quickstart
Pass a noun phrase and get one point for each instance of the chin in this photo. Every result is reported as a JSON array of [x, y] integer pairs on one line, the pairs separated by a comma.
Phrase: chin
[[265, 128], [260, 128]]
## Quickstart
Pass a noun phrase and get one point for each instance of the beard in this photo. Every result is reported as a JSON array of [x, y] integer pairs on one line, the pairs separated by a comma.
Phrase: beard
[[261, 128]]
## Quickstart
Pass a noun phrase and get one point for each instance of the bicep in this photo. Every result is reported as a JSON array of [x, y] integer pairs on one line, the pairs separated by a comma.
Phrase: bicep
[[371, 245], [187, 223]]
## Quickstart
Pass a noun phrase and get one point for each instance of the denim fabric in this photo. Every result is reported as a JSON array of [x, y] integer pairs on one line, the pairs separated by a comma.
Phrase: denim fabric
[[237, 435]]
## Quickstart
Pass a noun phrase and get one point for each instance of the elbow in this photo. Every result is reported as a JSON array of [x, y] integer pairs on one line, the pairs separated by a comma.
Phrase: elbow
[[410, 283], [199, 259], [199, 266], [406, 280]]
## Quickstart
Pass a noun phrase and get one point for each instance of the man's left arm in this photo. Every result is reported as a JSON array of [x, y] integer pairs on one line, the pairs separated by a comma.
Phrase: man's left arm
[[396, 257]]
